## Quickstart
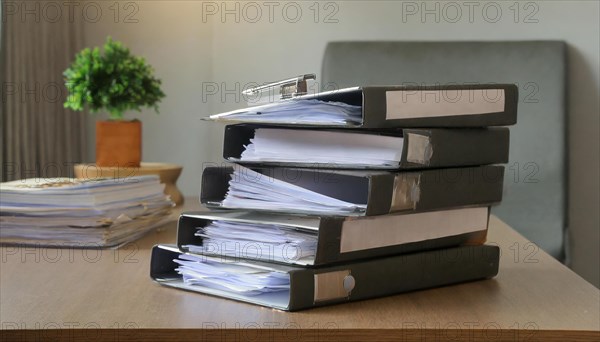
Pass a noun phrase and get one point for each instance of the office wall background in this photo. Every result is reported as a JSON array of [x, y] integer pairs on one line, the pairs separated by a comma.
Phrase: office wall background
[[206, 52]]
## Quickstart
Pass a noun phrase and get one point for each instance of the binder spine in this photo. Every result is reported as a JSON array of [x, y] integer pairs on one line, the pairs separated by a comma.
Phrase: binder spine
[[381, 194], [235, 138], [393, 275], [459, 187], [436, 148], [186, 230], [375, 108], [328, 245], [162, 266], [215, 184]]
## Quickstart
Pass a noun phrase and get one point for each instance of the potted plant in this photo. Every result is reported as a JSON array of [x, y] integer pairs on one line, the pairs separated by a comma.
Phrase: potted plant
[[113, 81]]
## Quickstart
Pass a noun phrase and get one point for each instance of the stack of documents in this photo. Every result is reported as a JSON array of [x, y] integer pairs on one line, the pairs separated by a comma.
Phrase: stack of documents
[[249, 189], [346, 195], [301, 111], [323, 148], [81, 213], [256, 240], [241, 278]]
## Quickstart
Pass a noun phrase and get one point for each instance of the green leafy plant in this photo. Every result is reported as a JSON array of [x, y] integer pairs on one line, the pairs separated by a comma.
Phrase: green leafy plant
[[115, 81]]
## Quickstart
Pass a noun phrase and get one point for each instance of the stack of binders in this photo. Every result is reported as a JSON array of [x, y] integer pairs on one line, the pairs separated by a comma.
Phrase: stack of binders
[[347, 195]]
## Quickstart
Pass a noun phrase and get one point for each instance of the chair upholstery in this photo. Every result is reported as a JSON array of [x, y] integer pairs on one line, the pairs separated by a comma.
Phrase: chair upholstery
[[535, 181]]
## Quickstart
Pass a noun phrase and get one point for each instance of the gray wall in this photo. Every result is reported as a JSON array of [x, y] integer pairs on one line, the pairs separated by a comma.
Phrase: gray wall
[[196, 52]]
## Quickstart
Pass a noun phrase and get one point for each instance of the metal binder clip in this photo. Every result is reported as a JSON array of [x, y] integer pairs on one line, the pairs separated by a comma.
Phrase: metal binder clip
[[288, 88]]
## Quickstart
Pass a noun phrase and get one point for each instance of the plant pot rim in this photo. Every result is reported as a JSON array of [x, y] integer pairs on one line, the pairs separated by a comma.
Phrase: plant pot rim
[[119, 120]]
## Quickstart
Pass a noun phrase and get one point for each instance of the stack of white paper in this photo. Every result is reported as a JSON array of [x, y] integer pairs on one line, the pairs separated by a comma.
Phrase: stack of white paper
[[239, 278], [298, 111], [257, 241], [81, 213], [251, 190], [72, 192], [323, 148]]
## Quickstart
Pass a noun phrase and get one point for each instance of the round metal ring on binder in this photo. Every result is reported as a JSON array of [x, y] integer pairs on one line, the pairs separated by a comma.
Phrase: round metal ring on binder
[[349, 283]]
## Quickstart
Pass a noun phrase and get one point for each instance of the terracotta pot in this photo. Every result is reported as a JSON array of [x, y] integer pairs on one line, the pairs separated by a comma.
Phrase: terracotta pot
[[119, 143]]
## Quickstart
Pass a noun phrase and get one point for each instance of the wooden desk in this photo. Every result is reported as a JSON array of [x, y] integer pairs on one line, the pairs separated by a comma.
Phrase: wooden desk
[[82, 295]]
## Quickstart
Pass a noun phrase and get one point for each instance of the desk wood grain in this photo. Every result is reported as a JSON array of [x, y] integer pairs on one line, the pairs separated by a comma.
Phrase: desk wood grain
[[84, 295]]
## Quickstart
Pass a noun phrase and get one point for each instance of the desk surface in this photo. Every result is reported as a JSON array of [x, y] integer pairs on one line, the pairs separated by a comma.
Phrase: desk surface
[[108, 295]]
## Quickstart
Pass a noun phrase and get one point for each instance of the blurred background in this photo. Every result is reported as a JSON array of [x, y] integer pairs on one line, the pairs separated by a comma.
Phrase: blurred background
[[207, 52]]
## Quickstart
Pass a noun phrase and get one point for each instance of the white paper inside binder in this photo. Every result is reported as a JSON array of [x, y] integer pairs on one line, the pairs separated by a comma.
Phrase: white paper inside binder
[[298, 111], [256, 241], [249, 189], [323, 148], [233, 277]]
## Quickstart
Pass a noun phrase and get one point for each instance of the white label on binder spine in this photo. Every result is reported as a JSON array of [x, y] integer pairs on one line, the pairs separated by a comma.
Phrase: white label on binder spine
[[367, 233], [332, 285], [411, 104], [419, 149]]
